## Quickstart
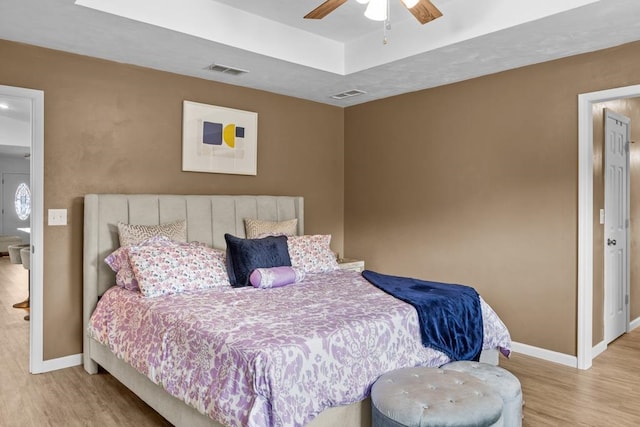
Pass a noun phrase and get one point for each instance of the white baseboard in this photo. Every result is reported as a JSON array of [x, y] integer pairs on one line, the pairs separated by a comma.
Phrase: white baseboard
[[548, 355], [598, 349], [59, 363], [634, 323], [516, 347]]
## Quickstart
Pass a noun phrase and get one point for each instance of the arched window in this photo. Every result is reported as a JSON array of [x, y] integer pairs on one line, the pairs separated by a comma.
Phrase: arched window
[[23, 201]]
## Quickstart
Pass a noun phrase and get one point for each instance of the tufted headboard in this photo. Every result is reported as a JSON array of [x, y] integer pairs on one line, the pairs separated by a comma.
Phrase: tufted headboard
[[208, 219]]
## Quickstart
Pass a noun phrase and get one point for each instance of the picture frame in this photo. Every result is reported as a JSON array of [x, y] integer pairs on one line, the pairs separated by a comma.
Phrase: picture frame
[[218, 139]]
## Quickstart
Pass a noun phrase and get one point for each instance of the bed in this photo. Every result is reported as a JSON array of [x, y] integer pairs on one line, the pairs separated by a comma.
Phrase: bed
[[208, 218]]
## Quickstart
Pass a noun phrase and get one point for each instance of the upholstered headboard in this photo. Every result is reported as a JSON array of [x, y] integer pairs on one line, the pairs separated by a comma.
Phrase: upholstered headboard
[[208, 219]]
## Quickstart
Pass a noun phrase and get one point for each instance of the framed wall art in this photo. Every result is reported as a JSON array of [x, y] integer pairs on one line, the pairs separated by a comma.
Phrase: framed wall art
[[218, 139]]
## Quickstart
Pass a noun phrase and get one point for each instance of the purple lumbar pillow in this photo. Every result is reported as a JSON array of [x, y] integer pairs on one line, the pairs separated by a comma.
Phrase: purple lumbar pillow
[[275, 277]]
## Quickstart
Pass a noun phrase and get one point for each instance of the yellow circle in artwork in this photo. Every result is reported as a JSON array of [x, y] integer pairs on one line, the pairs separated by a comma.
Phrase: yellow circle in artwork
[[229, 135]]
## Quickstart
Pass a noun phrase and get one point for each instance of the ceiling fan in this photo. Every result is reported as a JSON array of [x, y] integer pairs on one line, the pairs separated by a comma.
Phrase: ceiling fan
[[423, 10]]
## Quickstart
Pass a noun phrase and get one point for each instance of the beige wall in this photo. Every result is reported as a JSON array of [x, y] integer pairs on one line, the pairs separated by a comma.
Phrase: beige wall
[[111, 127], [631, 109], [476, 183]]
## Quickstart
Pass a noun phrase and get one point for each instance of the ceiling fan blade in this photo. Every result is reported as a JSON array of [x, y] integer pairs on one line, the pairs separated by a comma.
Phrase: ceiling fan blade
[[324, 9], [425, 11]]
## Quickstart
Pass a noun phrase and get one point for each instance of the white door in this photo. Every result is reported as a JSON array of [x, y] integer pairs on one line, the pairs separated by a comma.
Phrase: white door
[[616, 206], [13, 218]]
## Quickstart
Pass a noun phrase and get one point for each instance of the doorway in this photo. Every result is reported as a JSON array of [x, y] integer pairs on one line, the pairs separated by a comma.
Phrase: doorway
[[586, 102], [35, 101]]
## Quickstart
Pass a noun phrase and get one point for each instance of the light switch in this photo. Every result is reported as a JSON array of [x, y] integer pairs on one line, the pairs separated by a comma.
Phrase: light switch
[[601, 216], [57, 217]]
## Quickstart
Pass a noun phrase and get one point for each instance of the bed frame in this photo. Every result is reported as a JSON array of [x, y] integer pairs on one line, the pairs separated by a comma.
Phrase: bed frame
[[208, 219]]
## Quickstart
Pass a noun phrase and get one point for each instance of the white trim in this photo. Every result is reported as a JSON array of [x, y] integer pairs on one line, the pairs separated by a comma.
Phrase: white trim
[[634, 324], [61, 362], [544, 354], [585, 214], [598, 349], [585, 232], [36, 361], [37, 193]]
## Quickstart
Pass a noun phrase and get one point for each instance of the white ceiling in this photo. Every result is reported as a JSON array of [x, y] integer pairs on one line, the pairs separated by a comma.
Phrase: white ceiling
[[15, 126], [314, 59]]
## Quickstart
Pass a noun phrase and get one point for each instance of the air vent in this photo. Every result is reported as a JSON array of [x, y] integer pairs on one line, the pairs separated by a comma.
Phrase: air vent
[[348, 94], [219, 68]]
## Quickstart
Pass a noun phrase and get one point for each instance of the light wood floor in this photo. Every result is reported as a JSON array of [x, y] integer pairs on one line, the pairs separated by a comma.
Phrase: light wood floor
[[555, 395], [608, 394], [65, 398]]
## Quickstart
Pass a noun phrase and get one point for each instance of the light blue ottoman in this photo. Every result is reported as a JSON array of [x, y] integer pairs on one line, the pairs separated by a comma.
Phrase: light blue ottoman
[[432, 397], [500, 380]]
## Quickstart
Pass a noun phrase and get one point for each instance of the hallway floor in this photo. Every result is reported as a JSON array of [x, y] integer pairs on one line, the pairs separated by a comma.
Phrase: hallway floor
[[64, 398]]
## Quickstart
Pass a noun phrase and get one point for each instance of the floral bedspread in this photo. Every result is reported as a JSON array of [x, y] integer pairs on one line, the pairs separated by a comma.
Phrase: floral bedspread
[[270, 357]]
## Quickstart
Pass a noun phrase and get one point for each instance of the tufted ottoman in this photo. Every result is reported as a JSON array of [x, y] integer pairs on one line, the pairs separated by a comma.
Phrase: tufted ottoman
[[430, 397], [502, 381]]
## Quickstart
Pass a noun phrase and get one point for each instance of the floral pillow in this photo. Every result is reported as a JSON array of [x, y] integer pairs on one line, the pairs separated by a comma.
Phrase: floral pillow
[[119, 258], [164, 270], [312, 253], [119, 261], [126, 279]]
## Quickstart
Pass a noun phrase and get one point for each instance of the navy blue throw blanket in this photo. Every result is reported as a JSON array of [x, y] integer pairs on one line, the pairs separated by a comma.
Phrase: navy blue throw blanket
[[450, 315]]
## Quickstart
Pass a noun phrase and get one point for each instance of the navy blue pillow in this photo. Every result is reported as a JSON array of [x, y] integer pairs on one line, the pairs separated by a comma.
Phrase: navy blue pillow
[[245, 255]]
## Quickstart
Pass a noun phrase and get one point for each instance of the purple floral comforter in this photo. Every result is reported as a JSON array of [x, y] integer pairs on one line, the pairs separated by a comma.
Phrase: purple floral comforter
[[270, 357]]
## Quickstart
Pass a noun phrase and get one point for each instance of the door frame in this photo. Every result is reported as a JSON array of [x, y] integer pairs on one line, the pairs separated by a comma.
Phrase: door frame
[[36, 361], [585, 214], [608, 112]]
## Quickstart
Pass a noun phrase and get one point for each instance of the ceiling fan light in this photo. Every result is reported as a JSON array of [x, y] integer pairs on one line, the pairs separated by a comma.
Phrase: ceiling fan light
[[377, 10], [409, 3], [363, 1]]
